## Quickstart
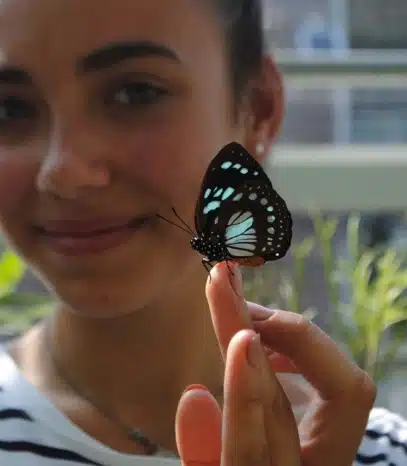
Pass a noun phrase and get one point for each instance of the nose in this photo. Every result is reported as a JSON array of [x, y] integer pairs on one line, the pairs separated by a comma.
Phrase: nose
[[74, 160]]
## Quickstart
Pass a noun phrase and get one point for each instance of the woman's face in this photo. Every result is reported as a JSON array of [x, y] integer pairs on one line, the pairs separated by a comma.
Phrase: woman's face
[[110, 112]]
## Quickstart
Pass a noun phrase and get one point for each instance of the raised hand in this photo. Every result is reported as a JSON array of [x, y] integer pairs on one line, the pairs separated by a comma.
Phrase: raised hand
[[256, 425]]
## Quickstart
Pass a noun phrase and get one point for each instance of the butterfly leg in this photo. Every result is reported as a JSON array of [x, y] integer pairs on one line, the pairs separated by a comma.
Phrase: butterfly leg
[[208, 267], [231, 281], [228, 266]]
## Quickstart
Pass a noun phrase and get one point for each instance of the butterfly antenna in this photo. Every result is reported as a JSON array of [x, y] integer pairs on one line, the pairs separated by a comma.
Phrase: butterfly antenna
[[174, 224], [182, 221]]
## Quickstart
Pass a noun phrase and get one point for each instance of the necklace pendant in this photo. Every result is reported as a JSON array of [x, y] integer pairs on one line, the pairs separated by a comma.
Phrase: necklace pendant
[[137, 436]]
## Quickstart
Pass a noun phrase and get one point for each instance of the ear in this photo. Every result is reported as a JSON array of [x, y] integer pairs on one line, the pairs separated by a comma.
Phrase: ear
[[266, 110]]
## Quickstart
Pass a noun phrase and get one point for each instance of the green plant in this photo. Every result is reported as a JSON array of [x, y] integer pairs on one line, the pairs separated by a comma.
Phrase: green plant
[[376, 302], [272, 287], [291, 287], [369, 326], [18, 310]]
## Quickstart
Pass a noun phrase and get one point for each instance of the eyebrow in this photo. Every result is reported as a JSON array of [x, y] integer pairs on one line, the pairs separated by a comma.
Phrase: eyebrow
[[115, 53], [14, 76]]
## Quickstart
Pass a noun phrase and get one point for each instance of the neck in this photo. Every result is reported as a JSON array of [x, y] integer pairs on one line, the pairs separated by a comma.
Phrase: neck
[[142, 361]]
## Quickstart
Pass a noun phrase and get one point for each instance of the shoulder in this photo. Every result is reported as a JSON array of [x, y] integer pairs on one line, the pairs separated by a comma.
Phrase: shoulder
[[31, 430], [17, 425], [385, 440]]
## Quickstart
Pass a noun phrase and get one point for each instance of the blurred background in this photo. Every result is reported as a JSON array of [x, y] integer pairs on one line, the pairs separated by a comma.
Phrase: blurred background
[[342, 155], [341, 165]]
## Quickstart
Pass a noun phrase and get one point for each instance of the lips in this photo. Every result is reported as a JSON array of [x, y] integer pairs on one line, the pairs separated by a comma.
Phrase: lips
[[78, 238], [87, 229]]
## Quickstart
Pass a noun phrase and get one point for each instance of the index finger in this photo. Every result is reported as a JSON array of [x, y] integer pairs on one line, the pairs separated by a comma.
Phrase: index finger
[[315, 354], [227, 306]]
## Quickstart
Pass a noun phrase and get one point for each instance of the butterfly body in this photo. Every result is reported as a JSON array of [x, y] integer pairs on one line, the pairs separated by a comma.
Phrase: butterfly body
[[239, 216], [213, 251], [210, 247]]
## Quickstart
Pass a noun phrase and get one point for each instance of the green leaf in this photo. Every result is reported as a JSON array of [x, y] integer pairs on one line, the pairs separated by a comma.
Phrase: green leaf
[[12, 269], [20, 321], [352, 234], [303, 250], [394, 316], [23, 300]]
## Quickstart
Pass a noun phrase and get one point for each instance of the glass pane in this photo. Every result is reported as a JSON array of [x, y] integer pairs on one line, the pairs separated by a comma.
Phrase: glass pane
[[345, 116]]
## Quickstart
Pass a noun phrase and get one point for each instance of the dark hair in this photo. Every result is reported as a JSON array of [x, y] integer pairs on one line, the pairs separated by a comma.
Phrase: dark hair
[[243, 24]]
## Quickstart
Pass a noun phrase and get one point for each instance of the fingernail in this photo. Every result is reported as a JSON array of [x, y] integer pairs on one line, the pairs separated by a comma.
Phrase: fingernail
[[195, 386], [255, 352]]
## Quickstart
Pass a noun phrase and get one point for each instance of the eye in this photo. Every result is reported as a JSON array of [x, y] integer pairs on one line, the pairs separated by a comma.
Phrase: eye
[[14, 112], [136, 94], [18, 119]]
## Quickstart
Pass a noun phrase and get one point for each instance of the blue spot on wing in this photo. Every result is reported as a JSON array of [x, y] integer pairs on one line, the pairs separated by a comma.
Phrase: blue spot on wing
[[211, 206], [239, 229]]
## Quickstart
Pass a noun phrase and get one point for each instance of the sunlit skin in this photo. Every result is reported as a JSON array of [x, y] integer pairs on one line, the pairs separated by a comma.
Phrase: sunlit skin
[[87, 153], [112, 111], [127, 137]]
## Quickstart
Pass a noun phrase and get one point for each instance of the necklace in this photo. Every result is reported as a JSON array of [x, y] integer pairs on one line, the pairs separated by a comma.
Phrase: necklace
[[134, 434]]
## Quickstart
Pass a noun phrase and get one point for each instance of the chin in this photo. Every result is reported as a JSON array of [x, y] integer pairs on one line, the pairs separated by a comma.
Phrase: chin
[[107, 299], [122, 285], [102, 302]]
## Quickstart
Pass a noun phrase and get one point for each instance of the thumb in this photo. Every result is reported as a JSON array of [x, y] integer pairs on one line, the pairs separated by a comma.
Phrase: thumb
[[198, 427]]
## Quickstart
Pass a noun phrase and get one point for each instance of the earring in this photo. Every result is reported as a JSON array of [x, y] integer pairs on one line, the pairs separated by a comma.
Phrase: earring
[[260, 148]]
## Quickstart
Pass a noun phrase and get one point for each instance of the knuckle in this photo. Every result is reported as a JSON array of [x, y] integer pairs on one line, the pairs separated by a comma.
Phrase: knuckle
[[253, 401], [365, 390], [303, 326]]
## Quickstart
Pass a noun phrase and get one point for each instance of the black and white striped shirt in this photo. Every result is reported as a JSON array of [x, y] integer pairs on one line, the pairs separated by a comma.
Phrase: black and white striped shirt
[[385, 441], [34, 433]]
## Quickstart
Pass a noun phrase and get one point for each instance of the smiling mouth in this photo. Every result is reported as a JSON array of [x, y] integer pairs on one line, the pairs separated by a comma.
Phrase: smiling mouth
[[86, 232], [79, 239]]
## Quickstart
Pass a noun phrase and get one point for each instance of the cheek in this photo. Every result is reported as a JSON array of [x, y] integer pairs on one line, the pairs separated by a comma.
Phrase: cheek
[[167, 166], [171, 159], [16, 181]]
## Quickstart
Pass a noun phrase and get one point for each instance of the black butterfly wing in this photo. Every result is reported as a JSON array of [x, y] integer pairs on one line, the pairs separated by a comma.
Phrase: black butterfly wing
[[257, 226], [229, 170], [238, 204]]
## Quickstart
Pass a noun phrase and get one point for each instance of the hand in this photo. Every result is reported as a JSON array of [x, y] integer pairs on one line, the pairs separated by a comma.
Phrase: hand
[[257, 426]]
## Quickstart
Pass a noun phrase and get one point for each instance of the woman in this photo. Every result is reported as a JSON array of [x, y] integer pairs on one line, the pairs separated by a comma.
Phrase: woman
[[111, 112]]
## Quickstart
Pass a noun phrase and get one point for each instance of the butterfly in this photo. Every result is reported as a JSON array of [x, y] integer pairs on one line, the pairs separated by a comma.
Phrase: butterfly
[[239, 216]]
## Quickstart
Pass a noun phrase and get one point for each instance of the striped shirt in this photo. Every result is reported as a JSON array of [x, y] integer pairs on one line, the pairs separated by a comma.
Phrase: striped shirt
[[34, 433], [385, 441]]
